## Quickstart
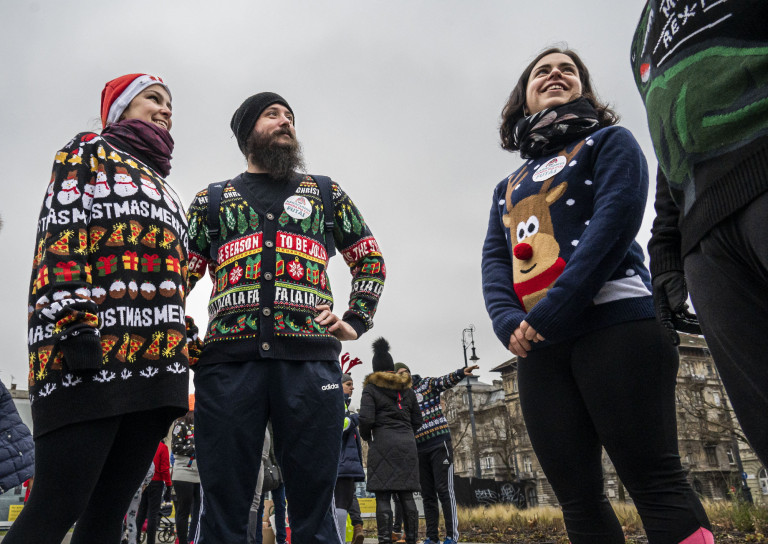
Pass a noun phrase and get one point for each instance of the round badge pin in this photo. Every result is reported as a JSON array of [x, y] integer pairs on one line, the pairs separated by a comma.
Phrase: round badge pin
[[550, 168], [297, 207]]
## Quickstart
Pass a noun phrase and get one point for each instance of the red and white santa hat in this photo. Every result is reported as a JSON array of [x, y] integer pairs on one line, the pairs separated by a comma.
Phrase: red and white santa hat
[[119, 92]]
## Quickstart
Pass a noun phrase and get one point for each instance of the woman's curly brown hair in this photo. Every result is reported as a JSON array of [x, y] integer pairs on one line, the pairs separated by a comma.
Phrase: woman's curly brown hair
[[513, 109]]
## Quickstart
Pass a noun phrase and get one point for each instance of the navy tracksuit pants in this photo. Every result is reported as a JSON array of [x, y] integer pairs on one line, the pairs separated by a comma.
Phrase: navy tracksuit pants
[[436, 478], [233, 402]]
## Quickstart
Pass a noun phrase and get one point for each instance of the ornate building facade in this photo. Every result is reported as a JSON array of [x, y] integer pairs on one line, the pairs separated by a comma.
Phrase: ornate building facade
[[713, 449]]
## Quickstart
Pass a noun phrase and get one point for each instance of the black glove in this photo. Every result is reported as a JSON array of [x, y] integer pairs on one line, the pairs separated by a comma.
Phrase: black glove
[[670, 295], [167, 493]]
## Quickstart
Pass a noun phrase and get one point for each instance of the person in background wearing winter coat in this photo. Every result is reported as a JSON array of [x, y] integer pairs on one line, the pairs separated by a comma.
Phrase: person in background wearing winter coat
[[389, 416], [186, 480], [108, 359], [433, 442], [350, 465], [568, 293], [17, 450]]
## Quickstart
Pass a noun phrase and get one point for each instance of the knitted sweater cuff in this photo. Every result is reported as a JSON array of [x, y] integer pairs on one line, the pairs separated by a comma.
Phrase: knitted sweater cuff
[[356, 323], [665, 259], [82, 352]]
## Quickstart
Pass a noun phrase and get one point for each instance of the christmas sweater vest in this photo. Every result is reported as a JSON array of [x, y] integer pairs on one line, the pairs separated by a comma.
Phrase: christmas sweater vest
[[435, 429], [106, 304], [271, 273], [560, 250]]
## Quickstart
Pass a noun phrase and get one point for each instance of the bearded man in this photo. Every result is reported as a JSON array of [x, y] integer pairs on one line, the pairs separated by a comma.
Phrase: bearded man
[[272, 343]]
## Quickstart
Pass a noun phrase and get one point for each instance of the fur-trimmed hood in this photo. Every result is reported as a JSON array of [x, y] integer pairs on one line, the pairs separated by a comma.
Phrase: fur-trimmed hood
[[389, 380]]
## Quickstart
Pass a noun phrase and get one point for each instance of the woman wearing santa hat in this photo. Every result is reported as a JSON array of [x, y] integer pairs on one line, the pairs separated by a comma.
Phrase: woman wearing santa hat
[[108, 360]]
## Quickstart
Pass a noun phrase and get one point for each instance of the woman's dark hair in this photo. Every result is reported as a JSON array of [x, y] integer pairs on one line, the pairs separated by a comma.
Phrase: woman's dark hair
[[513, 109]]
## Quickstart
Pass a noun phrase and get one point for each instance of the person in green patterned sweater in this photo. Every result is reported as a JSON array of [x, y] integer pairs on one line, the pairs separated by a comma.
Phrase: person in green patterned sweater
[[433, 443], [272, 344], [702, 72]]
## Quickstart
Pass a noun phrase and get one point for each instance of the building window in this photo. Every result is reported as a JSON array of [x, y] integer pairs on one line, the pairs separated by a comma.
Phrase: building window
[[514, 385], [762, 476], [527, 465], [488, 462], [731, 458], [716, 398], [689, 456], [711, 451]]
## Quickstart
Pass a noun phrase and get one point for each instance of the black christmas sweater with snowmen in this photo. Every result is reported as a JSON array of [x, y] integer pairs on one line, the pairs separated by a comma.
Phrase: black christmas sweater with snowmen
[[106, 305]]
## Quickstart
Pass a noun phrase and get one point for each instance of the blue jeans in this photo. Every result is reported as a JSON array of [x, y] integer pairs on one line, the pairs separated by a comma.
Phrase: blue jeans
[[278, 498]]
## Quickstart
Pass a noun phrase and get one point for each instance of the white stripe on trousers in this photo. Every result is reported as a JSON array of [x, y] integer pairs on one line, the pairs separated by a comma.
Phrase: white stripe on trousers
[[452, 495]]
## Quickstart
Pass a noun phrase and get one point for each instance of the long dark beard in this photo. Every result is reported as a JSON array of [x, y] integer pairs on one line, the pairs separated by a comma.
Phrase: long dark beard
[[278, 159]]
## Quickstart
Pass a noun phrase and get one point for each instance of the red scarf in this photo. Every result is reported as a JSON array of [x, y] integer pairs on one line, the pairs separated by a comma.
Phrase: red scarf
[[540, 281], [148, 140]]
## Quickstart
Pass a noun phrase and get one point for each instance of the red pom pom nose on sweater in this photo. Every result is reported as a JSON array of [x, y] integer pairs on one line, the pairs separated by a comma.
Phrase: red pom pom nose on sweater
[[523, 251]]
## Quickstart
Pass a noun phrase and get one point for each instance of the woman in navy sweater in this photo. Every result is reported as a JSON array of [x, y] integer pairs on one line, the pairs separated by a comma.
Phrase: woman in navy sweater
[[567, 292]]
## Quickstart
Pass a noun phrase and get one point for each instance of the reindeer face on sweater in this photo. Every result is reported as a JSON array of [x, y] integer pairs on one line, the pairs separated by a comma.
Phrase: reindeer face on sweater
[[536, 262]]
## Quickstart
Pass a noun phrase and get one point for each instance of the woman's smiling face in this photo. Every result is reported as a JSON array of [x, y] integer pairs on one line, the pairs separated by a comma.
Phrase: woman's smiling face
[[554, 80], [152, 105]]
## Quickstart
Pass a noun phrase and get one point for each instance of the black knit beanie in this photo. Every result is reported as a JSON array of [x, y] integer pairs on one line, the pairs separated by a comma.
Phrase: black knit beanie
[[248, 113], [382, 360]]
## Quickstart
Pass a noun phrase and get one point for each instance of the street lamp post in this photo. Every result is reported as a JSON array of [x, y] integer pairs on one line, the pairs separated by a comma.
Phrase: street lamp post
[[474, 358]]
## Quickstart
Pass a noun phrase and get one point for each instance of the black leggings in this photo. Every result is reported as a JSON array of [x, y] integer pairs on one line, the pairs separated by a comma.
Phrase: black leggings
[[88, 472], [187, 501], [614, 388]]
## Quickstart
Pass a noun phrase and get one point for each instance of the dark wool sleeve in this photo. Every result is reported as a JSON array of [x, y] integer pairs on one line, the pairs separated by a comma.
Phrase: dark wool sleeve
[[664, 246], [413, 406], [501, 301], [620, 179], [61, 277], [367, 414], [366, 264]]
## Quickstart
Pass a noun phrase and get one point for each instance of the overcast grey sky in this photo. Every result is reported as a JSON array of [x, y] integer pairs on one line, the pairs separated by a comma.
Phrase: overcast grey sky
[[398, 101]]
